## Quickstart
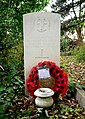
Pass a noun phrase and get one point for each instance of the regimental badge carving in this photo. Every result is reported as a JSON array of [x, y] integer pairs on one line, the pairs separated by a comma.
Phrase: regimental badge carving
[[42, 24]]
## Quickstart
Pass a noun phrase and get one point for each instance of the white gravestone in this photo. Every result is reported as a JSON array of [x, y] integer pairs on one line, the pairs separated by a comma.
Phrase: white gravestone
[[41, 39]]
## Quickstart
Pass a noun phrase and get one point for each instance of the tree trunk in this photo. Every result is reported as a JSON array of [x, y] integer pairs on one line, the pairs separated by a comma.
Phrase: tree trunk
[[79, 36]]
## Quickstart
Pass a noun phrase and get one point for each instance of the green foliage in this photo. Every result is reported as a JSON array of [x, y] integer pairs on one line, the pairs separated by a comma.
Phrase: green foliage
[[72, 87], [79, 53], [2, 114], [64, 45], [11, 88], [75, 12], [11, 22], [66, 112], [11, 80]]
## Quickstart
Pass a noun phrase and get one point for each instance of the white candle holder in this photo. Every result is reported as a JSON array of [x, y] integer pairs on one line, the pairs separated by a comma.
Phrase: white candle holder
[[44, 98]]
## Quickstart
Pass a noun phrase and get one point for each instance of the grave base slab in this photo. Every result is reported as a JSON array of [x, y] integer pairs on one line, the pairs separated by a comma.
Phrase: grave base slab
[[80, 96]]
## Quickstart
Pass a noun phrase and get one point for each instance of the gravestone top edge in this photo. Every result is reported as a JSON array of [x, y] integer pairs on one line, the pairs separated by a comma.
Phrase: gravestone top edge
[[34, 13]]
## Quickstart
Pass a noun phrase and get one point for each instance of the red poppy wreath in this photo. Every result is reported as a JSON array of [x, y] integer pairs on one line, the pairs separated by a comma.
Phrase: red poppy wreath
[[60, 84]]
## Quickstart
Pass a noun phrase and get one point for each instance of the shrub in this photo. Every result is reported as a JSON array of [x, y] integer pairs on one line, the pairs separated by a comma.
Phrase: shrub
[[79, 53], [11, 81], [64, 45]]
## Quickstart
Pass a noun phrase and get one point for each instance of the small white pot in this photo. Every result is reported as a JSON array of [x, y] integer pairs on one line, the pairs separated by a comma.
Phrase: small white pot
[[44, 102], [44, 98]]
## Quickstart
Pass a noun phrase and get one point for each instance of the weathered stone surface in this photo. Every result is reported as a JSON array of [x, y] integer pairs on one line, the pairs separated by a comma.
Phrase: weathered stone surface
[[80, 96], [41, 39]]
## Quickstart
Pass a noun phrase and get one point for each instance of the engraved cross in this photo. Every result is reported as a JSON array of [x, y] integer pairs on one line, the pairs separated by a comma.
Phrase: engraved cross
[[42, 57]]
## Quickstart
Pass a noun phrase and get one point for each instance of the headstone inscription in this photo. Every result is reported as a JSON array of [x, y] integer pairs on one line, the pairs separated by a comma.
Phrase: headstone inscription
[[41, 39]]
